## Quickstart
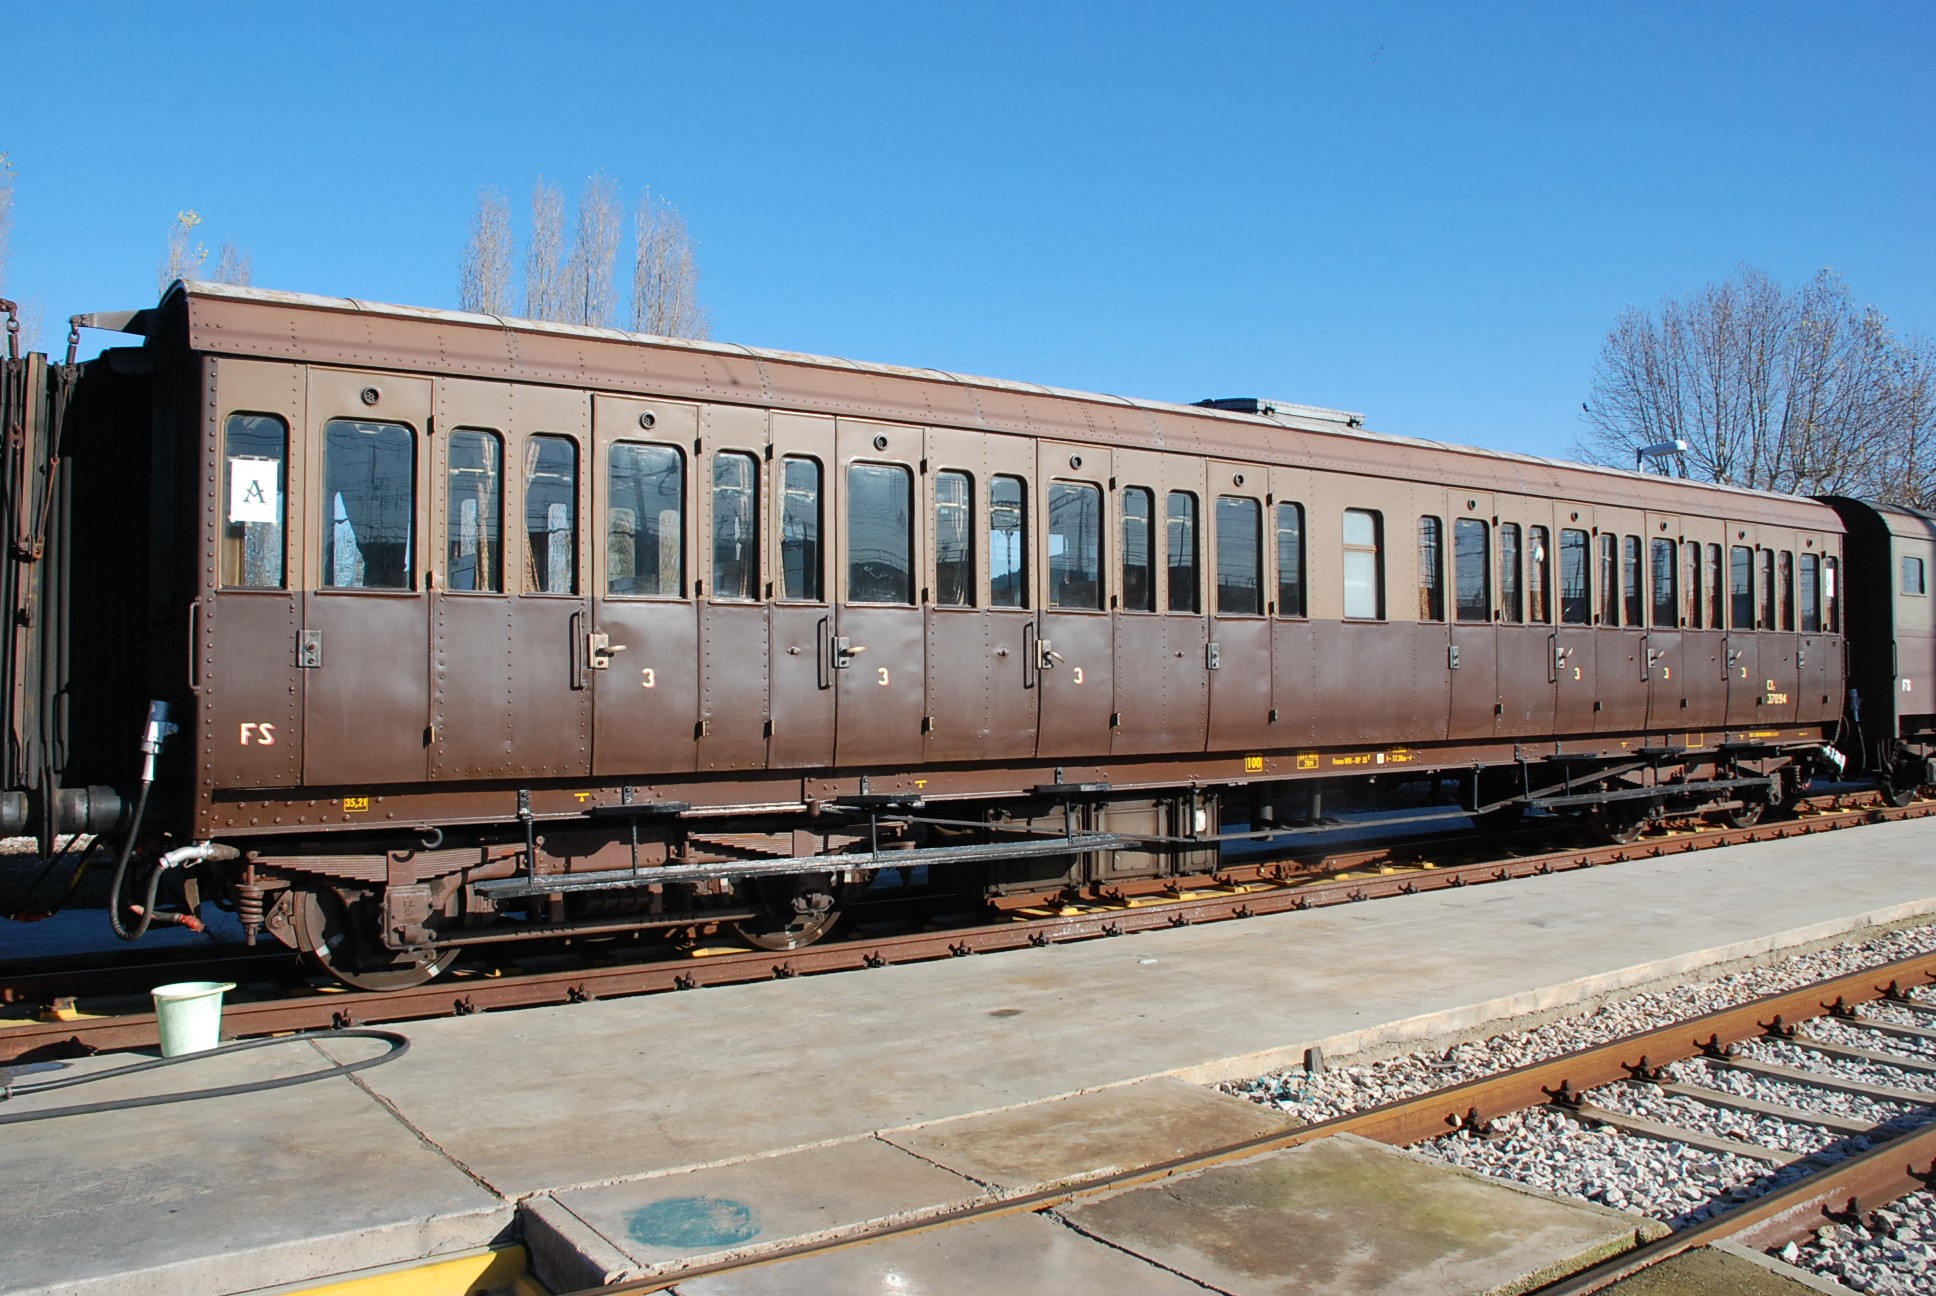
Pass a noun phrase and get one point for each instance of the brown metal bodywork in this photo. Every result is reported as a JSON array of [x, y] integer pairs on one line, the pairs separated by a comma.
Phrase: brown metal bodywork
[[723, 702]]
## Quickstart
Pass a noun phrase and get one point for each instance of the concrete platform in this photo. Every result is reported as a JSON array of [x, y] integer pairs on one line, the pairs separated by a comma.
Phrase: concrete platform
[[1317, 1219], [432, 1151]]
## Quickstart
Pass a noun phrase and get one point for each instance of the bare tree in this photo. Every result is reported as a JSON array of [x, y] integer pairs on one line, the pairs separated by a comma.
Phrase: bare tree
[[545, 295], [1782, 390], [234, 266], [665, 278], [182, 261], [594, 253], [485, 285], [6, 216]]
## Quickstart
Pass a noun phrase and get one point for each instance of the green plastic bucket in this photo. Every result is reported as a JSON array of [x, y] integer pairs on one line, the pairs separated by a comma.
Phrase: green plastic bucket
[[189, 1014]]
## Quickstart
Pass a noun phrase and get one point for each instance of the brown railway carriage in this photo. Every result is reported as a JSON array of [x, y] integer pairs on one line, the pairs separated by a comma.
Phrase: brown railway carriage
[[1892, 644], [473, 617]]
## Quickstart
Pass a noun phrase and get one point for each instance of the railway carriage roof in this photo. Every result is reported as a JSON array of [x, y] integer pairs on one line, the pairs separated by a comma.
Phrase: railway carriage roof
[[225, 319]]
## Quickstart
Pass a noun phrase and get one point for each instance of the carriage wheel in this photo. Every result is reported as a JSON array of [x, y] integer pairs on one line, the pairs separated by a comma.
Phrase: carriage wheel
[[1619, 823], [337, 933], [1745, 815], [791, 912]]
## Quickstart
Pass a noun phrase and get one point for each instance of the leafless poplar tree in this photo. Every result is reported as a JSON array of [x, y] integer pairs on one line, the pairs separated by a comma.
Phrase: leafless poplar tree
[[665, 278], [234, 266], [181, 260], [594, 253], [1782, 390], [485, 279], [6, 216], [545, 294]]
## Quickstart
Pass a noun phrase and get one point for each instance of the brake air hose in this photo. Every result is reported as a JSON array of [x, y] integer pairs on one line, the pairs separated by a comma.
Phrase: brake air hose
[[399, 1045], [152, 737]]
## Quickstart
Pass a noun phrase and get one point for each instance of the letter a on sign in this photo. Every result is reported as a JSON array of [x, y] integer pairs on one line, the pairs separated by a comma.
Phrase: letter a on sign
[[255, 490]]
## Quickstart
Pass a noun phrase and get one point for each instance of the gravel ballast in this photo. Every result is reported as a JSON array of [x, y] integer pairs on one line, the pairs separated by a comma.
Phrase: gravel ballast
[[1678, 1184]]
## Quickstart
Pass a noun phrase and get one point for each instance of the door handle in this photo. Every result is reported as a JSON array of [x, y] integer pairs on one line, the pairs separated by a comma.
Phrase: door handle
[[195, 647], [845, 652], [599, 649], [574, 633]]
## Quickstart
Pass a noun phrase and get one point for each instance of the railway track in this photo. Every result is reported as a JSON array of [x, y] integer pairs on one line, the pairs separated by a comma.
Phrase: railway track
[[1812, 1192], [1252, 889]]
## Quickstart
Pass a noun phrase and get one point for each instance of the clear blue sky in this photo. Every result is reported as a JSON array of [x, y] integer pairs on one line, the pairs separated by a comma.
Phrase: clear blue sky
[[1429, 212]]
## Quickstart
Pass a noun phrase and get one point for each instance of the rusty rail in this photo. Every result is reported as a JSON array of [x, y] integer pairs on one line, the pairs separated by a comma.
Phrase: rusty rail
[[1877, 1176], [459, 996]]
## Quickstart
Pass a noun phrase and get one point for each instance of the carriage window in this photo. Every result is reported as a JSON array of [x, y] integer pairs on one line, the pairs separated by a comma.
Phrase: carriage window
[[1576, 594], [1767, 565], [1691, 585], [645, 521], [1471, 589], [1511, 606], [1240, 556], [1831, 597], [1007, 543], [254, 450], [736, 526], [1811, 594], [1785, 588], [1075, 545], [550, 515], [1290, 560], [1539, 577], [1666, 600], [1741, 587], [800, 529], [1630, 580], [369, 504], [1139, 571], [954, 540], [1182, 551], [880, 534], [1717, 591], [1912, 576], [1364, 568], [1431, 570], [1609, 610], [474, 512]]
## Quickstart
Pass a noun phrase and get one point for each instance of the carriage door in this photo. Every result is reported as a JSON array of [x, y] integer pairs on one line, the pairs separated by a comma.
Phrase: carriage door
[[1780, 673], [1161, 681], [980, 618], [1296, 704], [638, 652], [803, 503], [1819, 651], [1661, 656], [507, 503], [1474, 653], [1741, 662], [1523, 543], [1704, 604], [1620, 584], [1575, 656], [1072, 658], [365, 646], [1239, 653], [874, 651], [734, 652], [249, 617]]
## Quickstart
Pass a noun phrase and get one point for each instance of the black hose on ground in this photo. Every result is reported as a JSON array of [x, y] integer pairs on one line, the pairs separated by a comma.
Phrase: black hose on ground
[[399, 1045]]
